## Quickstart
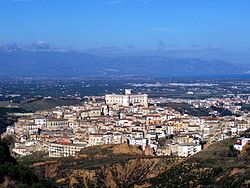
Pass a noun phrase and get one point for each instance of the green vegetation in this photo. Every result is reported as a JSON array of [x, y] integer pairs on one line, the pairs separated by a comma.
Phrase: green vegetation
[[185, 175], [33, 158], [216, 150], [6, 121], [222, 111], [5, 110], [47, 103], [16, 175], [9, 140], [245, 107], [185, 108], [209, 168]]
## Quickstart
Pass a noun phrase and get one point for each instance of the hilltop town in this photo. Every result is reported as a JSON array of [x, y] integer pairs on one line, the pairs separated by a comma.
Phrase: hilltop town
[[128, 118]]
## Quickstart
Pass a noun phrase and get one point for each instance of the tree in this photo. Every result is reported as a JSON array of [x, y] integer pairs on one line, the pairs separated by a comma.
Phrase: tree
[[9, 140]]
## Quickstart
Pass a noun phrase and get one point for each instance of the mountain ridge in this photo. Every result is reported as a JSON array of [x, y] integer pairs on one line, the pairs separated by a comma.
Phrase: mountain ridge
[[67, 64]]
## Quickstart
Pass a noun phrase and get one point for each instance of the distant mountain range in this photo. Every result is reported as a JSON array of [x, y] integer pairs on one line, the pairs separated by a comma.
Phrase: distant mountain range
[[57, 64]]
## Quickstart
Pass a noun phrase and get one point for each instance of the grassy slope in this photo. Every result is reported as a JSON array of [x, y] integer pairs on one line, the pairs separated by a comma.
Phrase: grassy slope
[[47, 103], [187, 108]]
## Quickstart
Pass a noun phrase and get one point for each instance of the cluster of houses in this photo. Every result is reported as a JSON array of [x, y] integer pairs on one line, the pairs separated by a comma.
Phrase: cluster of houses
[[230, 102], [65, 130]]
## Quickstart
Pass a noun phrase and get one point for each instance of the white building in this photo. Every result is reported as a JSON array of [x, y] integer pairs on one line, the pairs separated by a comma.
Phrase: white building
[[127, 99], [56, 124], [139, 141], [10, 130], [40, 122], [95, 139], [241, 142], [185, 150], [64, 149], [21, 151]]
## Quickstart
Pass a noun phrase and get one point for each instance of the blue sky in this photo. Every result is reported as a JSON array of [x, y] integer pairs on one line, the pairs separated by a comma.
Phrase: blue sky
[[137, 24]]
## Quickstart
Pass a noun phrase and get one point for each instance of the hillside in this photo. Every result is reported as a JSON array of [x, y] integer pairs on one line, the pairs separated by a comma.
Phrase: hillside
[[36, 104], [209, 168], [103, 166], [15, 175], [116, 166]]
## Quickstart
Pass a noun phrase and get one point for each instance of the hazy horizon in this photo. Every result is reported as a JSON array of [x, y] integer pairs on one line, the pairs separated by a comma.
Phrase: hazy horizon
[[192, 29], [120, 38]]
